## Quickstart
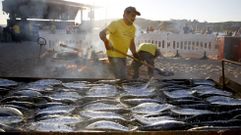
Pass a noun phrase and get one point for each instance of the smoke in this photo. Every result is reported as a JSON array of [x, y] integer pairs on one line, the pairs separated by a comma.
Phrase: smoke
[[58, 61], [68, 63]]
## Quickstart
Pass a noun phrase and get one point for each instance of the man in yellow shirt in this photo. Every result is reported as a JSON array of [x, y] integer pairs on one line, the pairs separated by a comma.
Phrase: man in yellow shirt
[[16, 32], [120, 35], [147, 52]]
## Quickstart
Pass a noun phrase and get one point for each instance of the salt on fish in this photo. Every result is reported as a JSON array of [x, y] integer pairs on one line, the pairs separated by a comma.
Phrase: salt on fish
[[165, 125], [150, 108], [107, 126]]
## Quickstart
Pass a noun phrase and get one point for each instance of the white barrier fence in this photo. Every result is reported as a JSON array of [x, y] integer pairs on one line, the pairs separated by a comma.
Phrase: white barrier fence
[[188, 45]]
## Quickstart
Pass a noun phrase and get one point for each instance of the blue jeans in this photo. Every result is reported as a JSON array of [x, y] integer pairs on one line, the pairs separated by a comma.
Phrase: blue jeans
[[118, 67]]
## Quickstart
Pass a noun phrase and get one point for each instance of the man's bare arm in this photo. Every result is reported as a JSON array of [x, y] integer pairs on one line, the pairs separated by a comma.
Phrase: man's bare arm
[[102, 36]]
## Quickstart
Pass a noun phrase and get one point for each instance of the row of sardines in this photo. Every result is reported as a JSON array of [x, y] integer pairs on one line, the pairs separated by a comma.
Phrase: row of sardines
[[112, 105]]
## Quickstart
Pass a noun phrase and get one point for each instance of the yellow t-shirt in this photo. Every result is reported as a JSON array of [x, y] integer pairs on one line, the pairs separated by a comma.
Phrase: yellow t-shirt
[[120, 36], [16, 29], [148, 47]]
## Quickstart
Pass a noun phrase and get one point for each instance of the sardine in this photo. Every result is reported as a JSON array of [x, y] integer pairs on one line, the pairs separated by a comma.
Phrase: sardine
[[25, 104], [62, 96], [37, 100], [148, 120], [102, 115], [179, 94], [139, 91], [197, 82], [134, 101], [189, 111], [63, 120], [4, 91], [165, 125], [185, 101], [49, 127], [55, 110], [10, 111], [7, 128], [223, 100], [10, 115], [39, 88], [206, 91], [215, 128], [150, 108], [102, 91], [76, 85], [231, 122], [28, 93], [47, 82], [101, 106], [7, 83], [8, 120], [107, 126]]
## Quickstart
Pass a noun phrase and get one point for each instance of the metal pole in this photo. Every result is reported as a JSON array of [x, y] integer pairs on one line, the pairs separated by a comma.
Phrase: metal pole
[[223, 75], [232, 62]]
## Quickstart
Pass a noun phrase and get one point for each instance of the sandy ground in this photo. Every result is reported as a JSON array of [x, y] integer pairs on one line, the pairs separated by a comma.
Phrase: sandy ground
[[23, 60], [185, 68]]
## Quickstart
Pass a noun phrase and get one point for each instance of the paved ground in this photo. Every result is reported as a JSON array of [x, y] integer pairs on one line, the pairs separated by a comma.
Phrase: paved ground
[[22, 60]]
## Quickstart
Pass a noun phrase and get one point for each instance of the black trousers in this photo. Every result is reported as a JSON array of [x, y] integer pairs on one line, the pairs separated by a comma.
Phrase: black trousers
[[146, 57]]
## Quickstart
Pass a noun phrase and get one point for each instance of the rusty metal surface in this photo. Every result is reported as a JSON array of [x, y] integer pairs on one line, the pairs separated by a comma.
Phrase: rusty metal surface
[[219, 132], [30, 79]]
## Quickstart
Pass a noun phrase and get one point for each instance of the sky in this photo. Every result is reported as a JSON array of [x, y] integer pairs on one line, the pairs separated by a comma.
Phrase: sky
[[201, 10]]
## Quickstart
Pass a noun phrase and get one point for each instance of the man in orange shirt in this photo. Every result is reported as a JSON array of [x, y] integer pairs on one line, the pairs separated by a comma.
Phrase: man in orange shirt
[[120, 35]]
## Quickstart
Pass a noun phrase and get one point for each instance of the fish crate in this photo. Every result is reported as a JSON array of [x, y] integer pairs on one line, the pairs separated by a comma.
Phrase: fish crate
[[62, 106]]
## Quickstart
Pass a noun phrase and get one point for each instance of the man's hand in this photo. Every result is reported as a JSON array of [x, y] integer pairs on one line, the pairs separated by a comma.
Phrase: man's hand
[[135, 55], [108, 45], [102, 36]]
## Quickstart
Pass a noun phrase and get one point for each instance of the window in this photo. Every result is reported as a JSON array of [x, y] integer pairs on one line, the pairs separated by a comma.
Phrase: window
[[205, 45], [209, 45], [201, 44]]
